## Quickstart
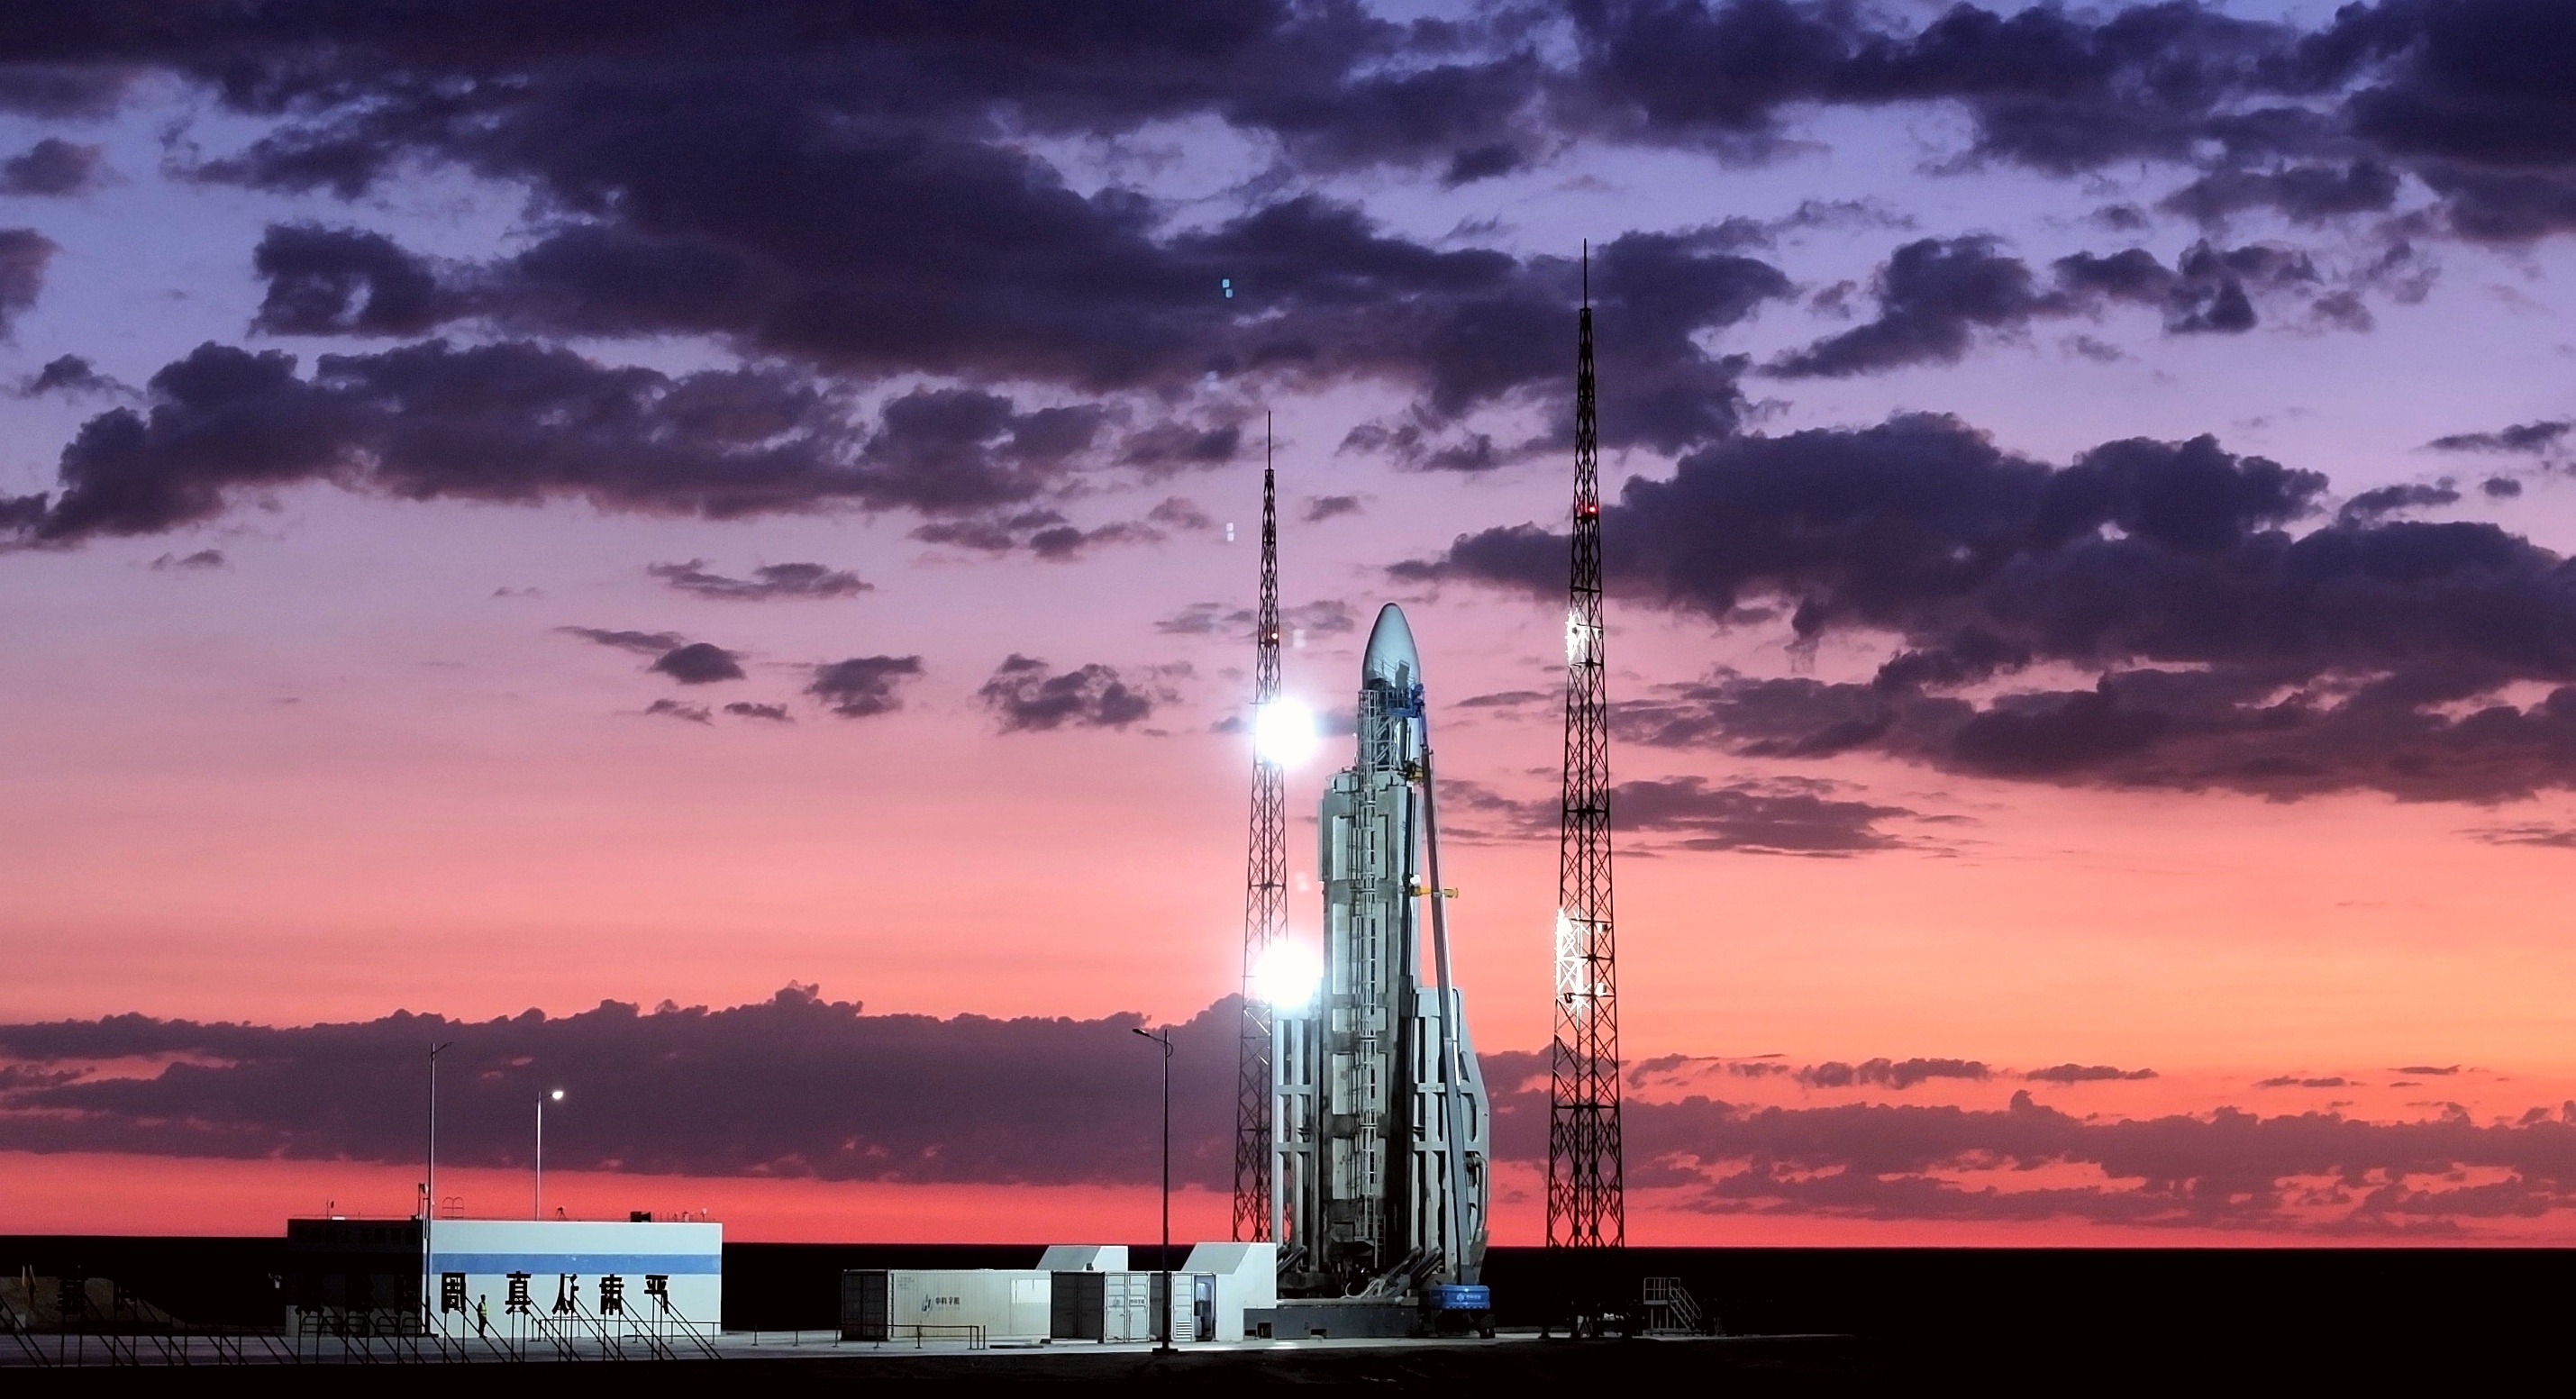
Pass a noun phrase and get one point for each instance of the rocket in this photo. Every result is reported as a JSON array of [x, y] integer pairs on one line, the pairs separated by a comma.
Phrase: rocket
[[1380, 1119]]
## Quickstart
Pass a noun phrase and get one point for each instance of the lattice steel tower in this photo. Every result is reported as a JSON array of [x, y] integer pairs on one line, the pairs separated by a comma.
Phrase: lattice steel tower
[[1586, 1188], [1265, 896]]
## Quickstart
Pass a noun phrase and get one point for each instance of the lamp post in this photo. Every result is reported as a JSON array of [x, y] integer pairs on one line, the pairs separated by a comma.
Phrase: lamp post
[[429, 1215], [1163, 1314], [537, 1193]]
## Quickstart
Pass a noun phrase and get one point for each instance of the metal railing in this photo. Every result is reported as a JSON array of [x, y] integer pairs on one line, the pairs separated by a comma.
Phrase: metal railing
[[1672, 1311], [969, 1332]]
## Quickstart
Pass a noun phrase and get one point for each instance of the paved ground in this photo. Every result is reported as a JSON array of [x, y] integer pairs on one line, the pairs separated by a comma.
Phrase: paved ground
[[1512, 1363]]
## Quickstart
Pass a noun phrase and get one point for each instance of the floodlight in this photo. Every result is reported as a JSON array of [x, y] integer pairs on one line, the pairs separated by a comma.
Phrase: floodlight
[[1287, 976], [1283, 732]]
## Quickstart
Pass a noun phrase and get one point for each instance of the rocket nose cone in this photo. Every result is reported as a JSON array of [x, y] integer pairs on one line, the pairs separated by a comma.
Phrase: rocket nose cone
[[1391, 657]]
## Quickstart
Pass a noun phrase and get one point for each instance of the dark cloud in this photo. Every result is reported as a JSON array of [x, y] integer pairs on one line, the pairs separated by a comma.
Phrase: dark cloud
[[650, 643], [1897, 1074], [517, 422], [2371, 504], [1207, 619], [2429, 1070], [23, 255], [2546, 836], [2086, 1073], [1026, 694], [2534, 438], [863, 686], [2044, 88], [1181, 513], [874, 246], [52, 166], [698, 663], [2500, 487], [1326, 507], [1775, 817], [1936, 295], [2308, 194], [70, 376], [2311, 1173], [344, 281], [675, 709], [778, 580], [775, 713], [197, 562], [1932, 295], [82, 86], [795, 1086], [1323, 617], [2476, 93], [801, 1086], [2205, 291], [965, 449], [2294, 1081], [2230, 652], [1755, 818]]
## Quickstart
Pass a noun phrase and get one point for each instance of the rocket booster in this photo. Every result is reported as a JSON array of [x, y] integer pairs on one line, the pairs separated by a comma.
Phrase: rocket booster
[[1381, 1117]]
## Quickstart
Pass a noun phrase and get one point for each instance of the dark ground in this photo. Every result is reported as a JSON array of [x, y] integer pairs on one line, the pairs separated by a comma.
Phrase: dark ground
[[2085, 1319]]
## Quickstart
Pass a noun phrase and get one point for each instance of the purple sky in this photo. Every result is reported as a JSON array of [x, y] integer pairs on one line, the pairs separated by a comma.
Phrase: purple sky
[[520, 505]]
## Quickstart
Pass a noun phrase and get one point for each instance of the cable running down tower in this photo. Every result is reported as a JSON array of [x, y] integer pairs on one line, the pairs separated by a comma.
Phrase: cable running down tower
[[1265, 896], [1586, 1188]]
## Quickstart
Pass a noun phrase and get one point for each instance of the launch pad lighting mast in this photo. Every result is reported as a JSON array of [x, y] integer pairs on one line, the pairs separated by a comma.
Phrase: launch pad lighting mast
[[1265, 897], [1586, 1188]]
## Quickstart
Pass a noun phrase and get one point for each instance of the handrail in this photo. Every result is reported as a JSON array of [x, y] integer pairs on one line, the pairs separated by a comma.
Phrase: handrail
[[973, 1332]]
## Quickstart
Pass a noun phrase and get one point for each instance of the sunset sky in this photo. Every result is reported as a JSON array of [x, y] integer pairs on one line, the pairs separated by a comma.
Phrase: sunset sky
[[530, 513]]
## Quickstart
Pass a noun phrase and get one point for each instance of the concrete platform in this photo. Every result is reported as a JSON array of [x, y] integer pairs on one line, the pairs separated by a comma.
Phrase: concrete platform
[[788, 1361]]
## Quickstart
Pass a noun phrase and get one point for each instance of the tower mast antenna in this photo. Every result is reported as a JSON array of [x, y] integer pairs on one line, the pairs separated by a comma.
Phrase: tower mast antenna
[[1265, 897], [1586, 1185]]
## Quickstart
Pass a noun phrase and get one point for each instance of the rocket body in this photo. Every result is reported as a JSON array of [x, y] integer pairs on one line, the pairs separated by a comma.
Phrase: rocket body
[[1380, 1116]]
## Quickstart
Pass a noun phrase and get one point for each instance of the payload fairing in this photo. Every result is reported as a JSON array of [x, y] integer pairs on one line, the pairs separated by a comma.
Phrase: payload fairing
[[1380, 1118]]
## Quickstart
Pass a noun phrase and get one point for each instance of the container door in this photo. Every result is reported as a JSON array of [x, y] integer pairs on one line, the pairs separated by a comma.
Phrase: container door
[[865, 1297], [1203, 1305]]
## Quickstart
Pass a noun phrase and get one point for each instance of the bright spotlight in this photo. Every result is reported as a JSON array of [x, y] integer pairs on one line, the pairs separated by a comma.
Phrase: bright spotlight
[[1287, 975], [1283, 732]]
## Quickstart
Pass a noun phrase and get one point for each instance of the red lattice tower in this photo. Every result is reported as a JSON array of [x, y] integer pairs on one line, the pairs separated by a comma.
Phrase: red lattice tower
[[1265, 899], [1586, 1188]]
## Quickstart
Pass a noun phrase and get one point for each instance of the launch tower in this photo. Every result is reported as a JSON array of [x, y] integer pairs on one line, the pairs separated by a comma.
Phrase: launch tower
[[1586, 1189], [1265, 900]]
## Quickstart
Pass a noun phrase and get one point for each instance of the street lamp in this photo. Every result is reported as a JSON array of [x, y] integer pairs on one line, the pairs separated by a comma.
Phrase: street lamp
[[537, 1201], [429, 1187], [1163, 1314]]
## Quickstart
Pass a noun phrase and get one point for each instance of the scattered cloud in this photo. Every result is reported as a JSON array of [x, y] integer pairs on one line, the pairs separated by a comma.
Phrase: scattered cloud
[[806, 1087], [2086, 1073], [197, 562], [778, 580], [52, 166], [694, 713], [24, 254], [698, 663], [2229, 649], [1025, 694], [864, 686]]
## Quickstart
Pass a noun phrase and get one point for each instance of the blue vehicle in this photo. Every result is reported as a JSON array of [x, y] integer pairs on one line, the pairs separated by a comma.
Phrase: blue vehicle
[[1452, 1307]]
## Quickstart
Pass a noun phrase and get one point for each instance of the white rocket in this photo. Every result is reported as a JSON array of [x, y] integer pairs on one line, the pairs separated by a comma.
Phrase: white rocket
[[1381, 1119]]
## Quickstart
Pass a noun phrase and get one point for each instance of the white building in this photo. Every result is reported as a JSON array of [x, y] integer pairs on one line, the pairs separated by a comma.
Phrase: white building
[[513, 1275]]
